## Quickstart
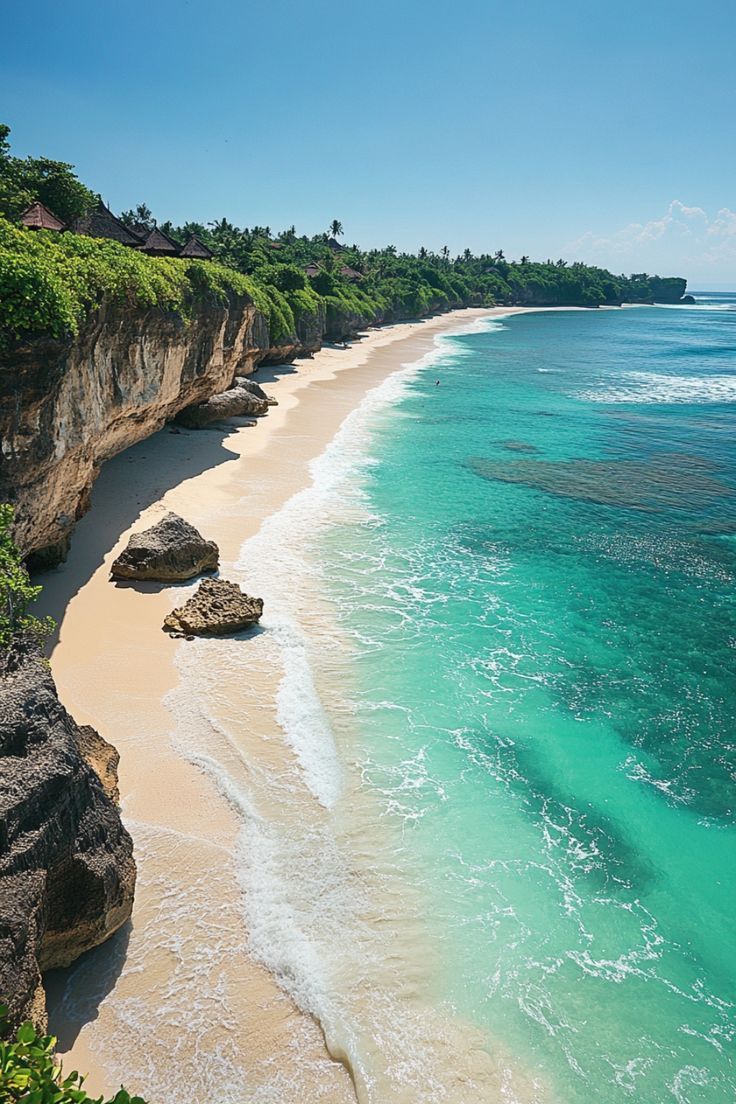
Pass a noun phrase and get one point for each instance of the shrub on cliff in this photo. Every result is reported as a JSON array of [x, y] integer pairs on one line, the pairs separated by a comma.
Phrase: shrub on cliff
[[30, 1073], [16, 593], [49, 282]]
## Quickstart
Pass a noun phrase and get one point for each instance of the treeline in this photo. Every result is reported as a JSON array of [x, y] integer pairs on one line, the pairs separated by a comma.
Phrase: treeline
[[305, 285]]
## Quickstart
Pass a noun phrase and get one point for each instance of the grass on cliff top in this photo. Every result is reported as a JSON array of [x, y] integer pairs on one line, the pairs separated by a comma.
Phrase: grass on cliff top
[[50, 282]]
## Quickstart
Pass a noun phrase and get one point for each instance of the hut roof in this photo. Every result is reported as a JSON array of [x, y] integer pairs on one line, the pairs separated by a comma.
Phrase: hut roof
[[38, 217], [312, 269], [102, 223], [159, 244], [197, 249], [333, 243], [275, 245], [351, 273]]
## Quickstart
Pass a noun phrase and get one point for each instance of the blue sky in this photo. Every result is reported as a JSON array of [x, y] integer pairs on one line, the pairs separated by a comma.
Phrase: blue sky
[[595, 131]]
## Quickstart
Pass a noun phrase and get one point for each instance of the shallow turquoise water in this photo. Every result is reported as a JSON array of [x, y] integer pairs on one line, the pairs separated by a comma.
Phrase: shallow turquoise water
[[542, 600]]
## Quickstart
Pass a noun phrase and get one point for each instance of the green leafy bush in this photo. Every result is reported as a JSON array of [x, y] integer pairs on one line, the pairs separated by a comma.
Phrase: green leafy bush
[[16, 592], [49, 282], [30, 1073]]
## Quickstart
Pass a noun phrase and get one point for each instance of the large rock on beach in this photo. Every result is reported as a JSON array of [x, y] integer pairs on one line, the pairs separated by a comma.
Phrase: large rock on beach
[[169, 551], [218, 608], [235, 403], [67, 873], [254, 388]]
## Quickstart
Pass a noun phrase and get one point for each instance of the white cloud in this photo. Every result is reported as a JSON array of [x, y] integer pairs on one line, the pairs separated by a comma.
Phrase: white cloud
[[684, 241]]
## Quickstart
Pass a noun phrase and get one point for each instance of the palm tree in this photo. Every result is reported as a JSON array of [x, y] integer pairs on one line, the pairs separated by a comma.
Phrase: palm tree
[[524, 259], [467, 255], [336, 228], [445, 253], [422, 253], [499, 255]]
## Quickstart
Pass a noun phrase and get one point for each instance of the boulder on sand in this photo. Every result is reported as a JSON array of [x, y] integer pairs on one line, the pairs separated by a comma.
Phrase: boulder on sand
[[169, 551], [254, 388], [218, 608], [228, 404]]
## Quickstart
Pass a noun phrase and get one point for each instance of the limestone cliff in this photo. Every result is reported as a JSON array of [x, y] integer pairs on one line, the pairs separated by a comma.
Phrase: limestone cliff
[[67, 873], [67, 406]]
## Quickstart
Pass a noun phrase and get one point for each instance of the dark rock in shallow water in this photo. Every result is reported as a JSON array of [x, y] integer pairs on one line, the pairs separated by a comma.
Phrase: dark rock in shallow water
[[170, 550], [519, 446], [228, 404], [254, 388], [218, 608], [687, 300], [67, 873]]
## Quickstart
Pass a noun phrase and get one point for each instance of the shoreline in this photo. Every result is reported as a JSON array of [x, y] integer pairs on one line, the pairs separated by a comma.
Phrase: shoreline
[[226, 482]]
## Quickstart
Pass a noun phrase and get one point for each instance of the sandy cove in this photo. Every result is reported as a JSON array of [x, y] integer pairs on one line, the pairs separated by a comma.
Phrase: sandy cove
[[113, 666]]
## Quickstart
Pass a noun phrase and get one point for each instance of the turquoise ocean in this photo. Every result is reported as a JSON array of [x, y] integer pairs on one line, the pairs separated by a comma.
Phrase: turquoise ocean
[[537, 585]]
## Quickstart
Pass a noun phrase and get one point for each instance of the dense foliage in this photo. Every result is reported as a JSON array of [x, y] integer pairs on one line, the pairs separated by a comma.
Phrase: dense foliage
[[48, 281], [16, 592], [30, 1073]]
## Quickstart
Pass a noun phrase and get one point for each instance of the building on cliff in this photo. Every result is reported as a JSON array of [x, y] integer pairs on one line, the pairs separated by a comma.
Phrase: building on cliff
[[38, 217], [100, 222], [157, 244], [196, 249]]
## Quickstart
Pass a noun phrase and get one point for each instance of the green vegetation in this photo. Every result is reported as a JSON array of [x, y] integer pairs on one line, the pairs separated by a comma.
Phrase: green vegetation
[[49, 282], [30, 1073], [54, 183], [16, 592]]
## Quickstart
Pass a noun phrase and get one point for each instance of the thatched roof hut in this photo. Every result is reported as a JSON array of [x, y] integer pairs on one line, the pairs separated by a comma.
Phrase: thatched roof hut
[[100, 222], [312, 270], [351, 274], [38, 217], [196, 250], [158, 244], [334, 244]]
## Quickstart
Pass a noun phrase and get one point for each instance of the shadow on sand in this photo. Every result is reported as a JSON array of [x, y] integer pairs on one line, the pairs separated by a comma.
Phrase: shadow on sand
[[131, 482], [74, 995]]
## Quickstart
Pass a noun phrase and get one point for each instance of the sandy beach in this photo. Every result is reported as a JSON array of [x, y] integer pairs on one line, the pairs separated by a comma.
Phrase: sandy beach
[[177, 994]]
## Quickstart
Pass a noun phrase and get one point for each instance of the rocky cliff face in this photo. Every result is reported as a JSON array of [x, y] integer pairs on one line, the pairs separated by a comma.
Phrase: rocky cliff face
[[66, 862], [67, 406]]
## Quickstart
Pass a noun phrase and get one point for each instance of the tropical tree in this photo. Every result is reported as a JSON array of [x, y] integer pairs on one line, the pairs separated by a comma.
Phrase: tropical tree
[[53, 183], [336, 230], [141, 215]]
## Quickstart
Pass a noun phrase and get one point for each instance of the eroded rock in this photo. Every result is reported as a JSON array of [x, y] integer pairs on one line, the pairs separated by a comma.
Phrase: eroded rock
[[254, 389], [218, 608], [67, 873], [228, 404], [170, 550]]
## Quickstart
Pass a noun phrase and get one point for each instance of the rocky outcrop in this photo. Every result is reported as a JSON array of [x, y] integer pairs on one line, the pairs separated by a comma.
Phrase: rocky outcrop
[[218, 608], [254, 388], [66, 862], [67, 406], [236, 402], [171, 550]]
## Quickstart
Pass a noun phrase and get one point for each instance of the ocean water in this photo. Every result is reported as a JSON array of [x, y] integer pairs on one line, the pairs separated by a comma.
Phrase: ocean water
[[531, 567], [499, 859]]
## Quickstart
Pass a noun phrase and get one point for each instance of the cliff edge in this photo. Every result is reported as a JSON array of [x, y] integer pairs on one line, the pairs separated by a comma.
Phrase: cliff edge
[[68, 405], [67, 873]]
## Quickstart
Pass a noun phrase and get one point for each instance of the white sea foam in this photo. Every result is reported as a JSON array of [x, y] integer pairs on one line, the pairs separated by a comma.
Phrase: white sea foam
[[654, 387], [302, 900]]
